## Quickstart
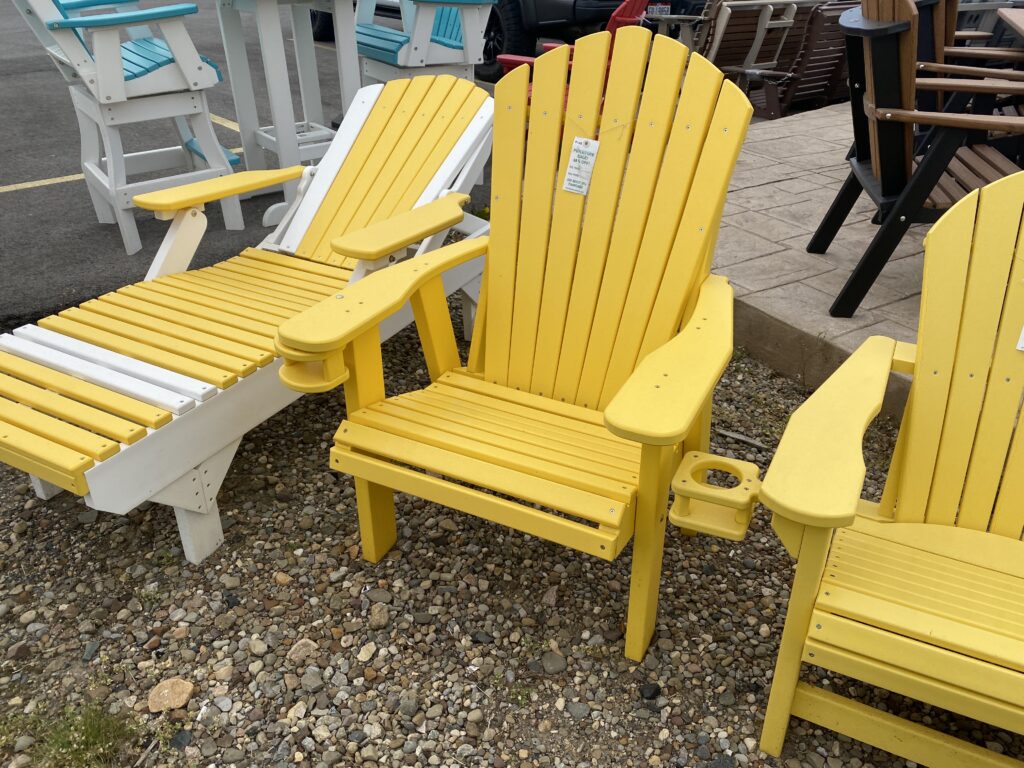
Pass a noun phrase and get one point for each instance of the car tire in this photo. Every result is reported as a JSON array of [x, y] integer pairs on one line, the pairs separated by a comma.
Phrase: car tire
[[323, 26], [504, 33]]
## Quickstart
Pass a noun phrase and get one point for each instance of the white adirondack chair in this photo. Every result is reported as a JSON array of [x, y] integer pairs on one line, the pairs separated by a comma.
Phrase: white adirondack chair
[[145, 393], [115, 82], [437, 37]]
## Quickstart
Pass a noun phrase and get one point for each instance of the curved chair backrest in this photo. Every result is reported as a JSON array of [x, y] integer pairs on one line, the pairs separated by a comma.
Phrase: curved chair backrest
[[67, 48], [580, 287], [410, 130], [960, 460]]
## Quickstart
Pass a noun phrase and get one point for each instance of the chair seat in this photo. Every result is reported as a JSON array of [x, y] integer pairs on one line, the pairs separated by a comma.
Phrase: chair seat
[[933, 612], [147, 54], [971, 169], [554, 455], [80, 386], [382, 43]]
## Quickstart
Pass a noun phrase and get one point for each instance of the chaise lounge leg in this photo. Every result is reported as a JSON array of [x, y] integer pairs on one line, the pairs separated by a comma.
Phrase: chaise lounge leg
[[656, 467], [43, 489], [194, 498], [201, 532], [377, 529], [809, 569]]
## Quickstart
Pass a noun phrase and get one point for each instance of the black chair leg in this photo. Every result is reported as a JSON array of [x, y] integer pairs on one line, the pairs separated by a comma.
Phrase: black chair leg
[[836, 215], [940, 151]]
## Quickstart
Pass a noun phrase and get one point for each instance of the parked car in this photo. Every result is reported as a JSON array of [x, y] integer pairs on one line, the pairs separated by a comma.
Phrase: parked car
[[513, 27]]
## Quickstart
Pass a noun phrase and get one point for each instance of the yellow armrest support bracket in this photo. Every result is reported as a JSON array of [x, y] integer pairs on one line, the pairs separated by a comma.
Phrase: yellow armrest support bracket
[[386, 237], [313, 342], [665, 394], [199, 193], [818, 471]]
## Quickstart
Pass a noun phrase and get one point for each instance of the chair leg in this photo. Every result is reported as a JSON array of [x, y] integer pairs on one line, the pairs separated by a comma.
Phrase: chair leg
[[92, 155], [942, 146], [656, 467], [836, 215], [810, 567], [43, 489], [117, 177], [377, 529], [184, 136]]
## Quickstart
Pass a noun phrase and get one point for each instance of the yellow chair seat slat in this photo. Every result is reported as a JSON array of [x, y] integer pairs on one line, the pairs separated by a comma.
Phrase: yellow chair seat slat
[[144, 352], [170, 326], [573, 481], [287, 277], [415, 416], [917, 657], [142, 298], [215, 283], [70, 397], [158, 340], [74, 413], [68, 435], [324, 273], [44, 458], [190, 285], [898, 601], [264, 288], [242, 314]]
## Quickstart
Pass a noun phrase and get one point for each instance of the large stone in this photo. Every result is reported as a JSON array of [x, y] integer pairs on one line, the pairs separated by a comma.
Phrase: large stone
[[302, 650], [380, 616], [172, 693], [553, 663]]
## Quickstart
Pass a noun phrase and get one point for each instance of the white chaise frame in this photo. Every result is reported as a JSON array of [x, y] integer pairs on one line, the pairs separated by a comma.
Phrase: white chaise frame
[[183, 463]]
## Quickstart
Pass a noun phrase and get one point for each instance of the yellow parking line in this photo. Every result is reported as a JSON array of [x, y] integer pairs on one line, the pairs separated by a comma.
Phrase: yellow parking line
[[229, 124], [41, 183], [73, 177]]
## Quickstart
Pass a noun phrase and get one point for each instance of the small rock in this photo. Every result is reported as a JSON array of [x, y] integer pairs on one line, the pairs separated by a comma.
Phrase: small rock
[[282, 579], [302, 650], [553, 663], [367, 652], [91, 649], [577, 709], [257, 647], [380, 616], [379, 595], [650, 691], [223, 703], [475, 716], [447, 524], [19, 651], [172, 693], [23, 743], [180, 740], [233, 755], [230, 582]]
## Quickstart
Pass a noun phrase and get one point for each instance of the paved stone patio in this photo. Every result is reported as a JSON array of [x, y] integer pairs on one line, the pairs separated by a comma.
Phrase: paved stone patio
[[787, 175]]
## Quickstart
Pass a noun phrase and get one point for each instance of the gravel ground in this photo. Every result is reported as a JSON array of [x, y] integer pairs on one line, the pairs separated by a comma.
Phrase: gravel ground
[[469, 645]]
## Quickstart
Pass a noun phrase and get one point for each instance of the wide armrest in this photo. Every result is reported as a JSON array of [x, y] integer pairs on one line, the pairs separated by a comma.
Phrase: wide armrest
[[125, 19], [200, 192], [336, 321], [386, 237], [510, 61], [660, 400], [818, 471]]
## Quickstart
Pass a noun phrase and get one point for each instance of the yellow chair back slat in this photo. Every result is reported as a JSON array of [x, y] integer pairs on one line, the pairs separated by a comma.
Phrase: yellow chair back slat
[[411, 129], [563, 268], [963, 452]]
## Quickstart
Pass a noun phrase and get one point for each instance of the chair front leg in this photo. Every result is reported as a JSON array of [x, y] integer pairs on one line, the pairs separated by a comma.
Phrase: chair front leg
[[810, 566], [657, 463]]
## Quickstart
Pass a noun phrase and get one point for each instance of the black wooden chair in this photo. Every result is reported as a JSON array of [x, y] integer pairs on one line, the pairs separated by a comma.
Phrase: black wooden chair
[[911, 178]]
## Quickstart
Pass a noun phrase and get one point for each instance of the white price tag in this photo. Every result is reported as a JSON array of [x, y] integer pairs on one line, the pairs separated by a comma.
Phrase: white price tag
[[582, 157], [1020, 342]]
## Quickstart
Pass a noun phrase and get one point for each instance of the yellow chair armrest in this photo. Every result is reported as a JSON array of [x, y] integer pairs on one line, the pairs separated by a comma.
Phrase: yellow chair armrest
[[200, 192], [312, 342], [818, 471], [660, 400], [386, 237]]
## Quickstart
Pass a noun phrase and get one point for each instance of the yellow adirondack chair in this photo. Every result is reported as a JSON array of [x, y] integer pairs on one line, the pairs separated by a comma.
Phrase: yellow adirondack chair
[[580, 386], [922, 594]]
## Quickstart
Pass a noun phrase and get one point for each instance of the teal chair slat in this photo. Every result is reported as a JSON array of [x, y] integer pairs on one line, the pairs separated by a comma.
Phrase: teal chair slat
[[147, 54], [447, 29], [383, 43], [192, 145]]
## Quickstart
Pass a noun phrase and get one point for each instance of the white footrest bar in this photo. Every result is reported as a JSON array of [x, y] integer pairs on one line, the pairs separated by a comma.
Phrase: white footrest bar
[[115, 381], [161, 377]]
